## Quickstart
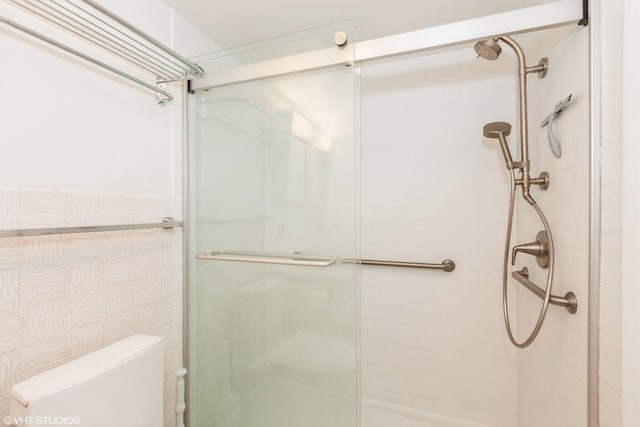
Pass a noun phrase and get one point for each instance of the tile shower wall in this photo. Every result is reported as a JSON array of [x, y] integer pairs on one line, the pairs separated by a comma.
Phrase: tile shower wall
[[552, 372], [630, 215], [63, 296], [434, 351], [611, 30]]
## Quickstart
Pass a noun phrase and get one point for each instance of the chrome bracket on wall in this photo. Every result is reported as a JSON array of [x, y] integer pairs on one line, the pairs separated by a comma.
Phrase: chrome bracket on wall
[[161, 96]]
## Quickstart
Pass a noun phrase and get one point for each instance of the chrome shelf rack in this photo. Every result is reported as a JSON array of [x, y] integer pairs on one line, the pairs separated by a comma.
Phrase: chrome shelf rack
[[102, 28]]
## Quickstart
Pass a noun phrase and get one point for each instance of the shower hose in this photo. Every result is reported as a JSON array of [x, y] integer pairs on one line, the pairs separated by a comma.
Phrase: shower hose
[[547, 293]]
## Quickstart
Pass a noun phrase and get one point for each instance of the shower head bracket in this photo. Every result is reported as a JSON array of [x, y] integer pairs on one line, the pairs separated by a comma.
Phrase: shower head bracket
[[543, 180], [541, 68]]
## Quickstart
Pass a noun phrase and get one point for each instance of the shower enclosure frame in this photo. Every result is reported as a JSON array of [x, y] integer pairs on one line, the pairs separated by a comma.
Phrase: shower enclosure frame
[[556, 14]]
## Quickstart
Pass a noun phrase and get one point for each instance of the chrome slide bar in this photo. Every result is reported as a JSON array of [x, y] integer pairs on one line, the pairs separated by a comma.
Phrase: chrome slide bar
[[166, 223], [314, 261], [569, 301]]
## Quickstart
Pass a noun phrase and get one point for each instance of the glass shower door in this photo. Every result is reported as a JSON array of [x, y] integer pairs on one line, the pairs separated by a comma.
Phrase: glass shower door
[[273, 218]]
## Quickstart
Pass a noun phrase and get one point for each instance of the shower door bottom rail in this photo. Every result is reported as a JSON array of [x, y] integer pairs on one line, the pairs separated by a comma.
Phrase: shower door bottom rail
[[315, 261]]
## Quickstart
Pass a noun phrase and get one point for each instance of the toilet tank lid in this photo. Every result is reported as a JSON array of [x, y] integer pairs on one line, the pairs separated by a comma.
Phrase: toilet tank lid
[[82, 369]]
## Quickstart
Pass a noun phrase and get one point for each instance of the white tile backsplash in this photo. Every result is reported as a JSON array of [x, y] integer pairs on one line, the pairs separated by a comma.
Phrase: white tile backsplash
[[84, 340], [44, 251], [119, 209], [146, 240], [42, 357], [10, 253], [148, 319], [10, 209], [120, 244], [89, 245], [85, 275], [10, 290], [63, 296], [120, 299], [11, 331], [9, 370], [42, 285], [85, 209], [44, 321], [86, 309], [120, 327], [41, 209], [119, 270]]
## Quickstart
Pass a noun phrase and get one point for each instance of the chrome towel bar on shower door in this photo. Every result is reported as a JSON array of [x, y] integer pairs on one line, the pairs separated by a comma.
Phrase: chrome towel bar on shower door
[[314, 261], [267, 258]]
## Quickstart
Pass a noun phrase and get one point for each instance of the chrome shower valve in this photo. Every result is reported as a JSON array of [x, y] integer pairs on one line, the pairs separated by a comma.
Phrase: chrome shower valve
[[538, 248]]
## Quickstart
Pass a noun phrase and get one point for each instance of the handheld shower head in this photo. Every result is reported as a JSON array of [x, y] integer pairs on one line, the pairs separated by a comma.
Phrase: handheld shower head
[[494, 129], [499, 131], [488, 49]]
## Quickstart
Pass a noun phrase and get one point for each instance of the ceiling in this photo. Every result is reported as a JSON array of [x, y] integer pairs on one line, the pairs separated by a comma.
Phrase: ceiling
[[232, 23]]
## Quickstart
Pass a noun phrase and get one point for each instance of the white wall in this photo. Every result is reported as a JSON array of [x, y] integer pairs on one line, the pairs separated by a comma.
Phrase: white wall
[[82, 147], [609, 42], [434, 351], [631, 213], [552, 372]]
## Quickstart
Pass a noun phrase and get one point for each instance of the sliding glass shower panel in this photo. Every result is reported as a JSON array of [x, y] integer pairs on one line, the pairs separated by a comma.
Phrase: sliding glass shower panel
[[273, 178]]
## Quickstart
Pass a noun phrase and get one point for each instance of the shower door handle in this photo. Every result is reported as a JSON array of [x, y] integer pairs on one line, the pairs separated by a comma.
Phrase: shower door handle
[[268, 258], [315, 261]]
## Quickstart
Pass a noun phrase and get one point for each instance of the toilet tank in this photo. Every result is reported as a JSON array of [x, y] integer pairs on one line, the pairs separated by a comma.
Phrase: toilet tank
[[119, 385]]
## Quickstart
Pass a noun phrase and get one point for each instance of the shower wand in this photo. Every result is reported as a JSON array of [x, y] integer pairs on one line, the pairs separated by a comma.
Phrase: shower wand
[[500, 130]]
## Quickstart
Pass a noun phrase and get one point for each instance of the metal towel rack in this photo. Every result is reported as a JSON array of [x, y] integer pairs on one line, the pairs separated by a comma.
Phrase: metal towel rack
[[100, 27], [569, 301], [314, 261], [166, 223]]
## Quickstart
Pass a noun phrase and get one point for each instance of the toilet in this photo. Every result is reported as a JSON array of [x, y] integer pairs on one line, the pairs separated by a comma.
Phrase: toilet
[[119, 385]]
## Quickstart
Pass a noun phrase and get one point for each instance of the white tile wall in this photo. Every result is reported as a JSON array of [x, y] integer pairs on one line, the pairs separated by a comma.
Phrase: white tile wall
[[630, 215], [434, 351], [64, 296], [434, 344], [610, 39], [552, 372]]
